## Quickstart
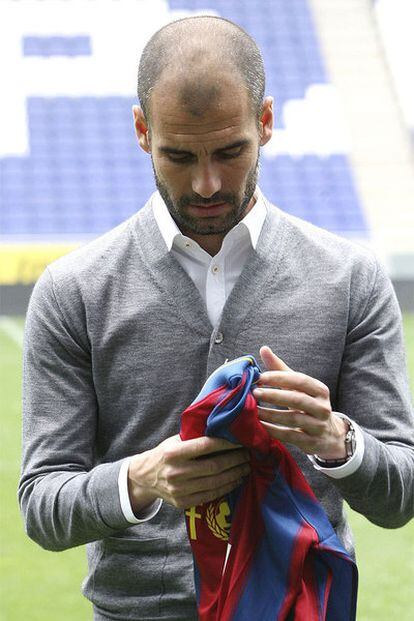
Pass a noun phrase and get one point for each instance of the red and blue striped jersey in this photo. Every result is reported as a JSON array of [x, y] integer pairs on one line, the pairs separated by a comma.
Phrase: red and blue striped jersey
[[267, 550]]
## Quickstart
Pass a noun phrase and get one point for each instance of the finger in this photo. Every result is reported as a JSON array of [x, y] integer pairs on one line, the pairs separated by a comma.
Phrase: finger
[[271, 361], [201, 498], [292, 419], [297, 437], [294, 400], [207, 484], [294, 381], [213, 466], [191, 449]]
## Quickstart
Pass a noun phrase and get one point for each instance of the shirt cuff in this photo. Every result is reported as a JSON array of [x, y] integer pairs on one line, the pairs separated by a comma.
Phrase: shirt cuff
[[147, 513], [354, 463]]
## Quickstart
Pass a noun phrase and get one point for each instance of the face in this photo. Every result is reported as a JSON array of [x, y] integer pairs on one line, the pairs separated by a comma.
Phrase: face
[[205, 158], [209, 215]]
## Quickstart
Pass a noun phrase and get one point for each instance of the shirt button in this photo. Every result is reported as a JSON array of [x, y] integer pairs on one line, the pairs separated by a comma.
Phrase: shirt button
[[219, 338], [215, 269]]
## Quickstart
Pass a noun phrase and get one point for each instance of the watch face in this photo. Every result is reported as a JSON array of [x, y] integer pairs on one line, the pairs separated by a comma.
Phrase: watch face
[[350, 441]]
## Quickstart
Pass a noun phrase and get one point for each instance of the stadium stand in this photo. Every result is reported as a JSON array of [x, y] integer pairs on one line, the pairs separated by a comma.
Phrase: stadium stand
[[81, 176], [395, 19], [83, 173]]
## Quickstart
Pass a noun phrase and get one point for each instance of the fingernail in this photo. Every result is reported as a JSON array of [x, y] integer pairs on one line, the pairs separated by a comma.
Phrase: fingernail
[[257, 392]]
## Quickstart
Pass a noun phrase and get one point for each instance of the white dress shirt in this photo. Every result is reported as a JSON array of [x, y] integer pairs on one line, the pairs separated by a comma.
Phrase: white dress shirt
[[215, 278]]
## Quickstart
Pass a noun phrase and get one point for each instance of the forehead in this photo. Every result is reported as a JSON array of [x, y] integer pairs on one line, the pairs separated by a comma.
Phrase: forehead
[[208, 113]]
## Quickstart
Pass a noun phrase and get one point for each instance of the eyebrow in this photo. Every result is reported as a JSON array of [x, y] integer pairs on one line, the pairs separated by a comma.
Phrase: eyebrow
[[228, 147]]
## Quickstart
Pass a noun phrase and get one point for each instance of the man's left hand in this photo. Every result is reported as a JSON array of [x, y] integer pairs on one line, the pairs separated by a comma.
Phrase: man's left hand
[[309, 423]]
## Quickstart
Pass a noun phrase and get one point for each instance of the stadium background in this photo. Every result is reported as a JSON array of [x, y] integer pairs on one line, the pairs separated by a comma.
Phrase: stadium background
[[70, 169]]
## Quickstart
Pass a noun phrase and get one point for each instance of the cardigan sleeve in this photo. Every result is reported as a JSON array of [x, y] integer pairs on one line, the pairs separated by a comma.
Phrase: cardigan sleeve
[[66, 499], [373, 390]]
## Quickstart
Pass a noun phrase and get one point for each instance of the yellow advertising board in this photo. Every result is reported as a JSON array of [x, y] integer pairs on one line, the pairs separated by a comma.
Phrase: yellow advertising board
[[22, 264]]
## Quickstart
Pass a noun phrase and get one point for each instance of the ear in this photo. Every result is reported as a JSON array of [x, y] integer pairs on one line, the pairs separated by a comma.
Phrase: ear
[[266, 121], [141, 129]]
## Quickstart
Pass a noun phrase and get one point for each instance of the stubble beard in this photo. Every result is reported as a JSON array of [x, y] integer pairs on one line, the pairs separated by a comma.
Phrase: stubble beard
[[209, 226]]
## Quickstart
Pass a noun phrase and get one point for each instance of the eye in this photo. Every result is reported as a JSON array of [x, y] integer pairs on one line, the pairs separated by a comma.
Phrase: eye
[[179, 158], [230, 154]]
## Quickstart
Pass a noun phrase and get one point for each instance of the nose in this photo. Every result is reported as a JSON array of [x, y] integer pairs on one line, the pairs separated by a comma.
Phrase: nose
[[206, 180]]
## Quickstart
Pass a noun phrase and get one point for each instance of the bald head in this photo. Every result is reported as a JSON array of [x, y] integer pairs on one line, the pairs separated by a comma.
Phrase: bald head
[[194, 55]]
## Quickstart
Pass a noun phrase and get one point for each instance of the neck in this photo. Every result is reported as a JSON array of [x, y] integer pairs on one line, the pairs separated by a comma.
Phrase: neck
[[209, 243]]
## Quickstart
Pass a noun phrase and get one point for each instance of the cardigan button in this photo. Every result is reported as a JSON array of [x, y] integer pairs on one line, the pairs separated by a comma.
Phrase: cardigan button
[[219, 338]]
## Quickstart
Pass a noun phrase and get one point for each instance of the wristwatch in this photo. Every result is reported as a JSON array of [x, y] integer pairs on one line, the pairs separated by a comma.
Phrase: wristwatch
[[350, 443]]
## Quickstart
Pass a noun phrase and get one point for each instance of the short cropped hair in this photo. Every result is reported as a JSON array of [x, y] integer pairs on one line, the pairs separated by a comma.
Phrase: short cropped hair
[[234, 47]]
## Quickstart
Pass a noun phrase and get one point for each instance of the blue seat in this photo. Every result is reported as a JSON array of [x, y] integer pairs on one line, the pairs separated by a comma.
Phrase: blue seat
[[85, 171]]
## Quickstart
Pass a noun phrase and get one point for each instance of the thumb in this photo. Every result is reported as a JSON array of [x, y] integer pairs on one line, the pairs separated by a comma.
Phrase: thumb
[[271, 361]]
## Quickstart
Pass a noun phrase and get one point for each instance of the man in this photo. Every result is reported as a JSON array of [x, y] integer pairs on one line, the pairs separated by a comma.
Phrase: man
[[122, 333]]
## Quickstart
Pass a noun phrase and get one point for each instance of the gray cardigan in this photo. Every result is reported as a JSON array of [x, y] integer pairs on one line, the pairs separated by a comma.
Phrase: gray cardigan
[[118, 343]]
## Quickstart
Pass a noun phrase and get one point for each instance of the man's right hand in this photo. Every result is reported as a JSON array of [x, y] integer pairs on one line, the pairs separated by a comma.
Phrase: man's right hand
[[186, 473]]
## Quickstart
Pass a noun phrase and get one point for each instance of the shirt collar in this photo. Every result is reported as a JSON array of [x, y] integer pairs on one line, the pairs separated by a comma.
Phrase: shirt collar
[[253, 221]]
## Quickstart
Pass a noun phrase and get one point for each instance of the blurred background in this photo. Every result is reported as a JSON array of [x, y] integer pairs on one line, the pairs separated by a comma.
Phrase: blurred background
[[342, 157]]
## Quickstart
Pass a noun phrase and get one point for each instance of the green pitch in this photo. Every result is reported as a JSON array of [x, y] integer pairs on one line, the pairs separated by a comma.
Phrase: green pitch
[[45, 586]]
